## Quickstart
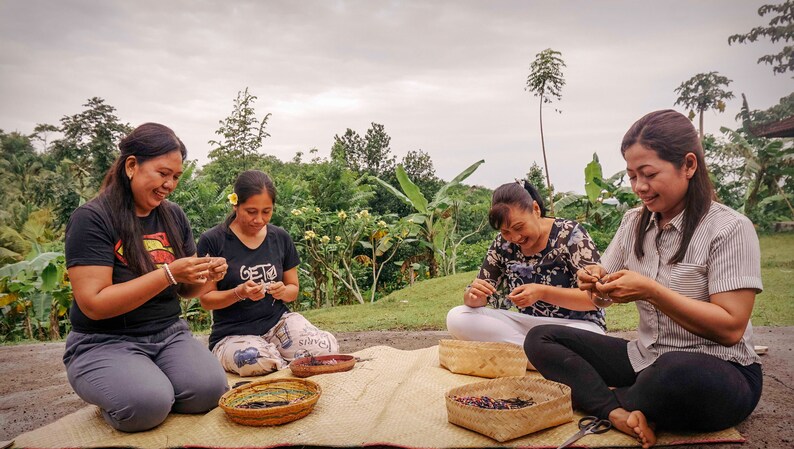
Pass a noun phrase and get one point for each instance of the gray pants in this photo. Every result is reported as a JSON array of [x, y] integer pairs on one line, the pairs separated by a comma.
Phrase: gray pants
[[137, 381]]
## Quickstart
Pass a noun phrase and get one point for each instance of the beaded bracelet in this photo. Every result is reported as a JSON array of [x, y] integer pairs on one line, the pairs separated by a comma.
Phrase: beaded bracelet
[[239, 298], [169, 275]]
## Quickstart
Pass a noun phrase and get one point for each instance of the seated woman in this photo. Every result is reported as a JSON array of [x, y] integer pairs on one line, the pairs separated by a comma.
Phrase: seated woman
[[130, 255], [253, 331], [533, 263], [692, 267]]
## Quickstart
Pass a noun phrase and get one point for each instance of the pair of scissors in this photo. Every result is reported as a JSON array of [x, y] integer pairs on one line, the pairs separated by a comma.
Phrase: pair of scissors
[[588, 425]]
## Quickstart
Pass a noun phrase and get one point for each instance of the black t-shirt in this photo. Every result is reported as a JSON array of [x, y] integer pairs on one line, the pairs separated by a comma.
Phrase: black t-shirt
[[92, 240], [267, 263]]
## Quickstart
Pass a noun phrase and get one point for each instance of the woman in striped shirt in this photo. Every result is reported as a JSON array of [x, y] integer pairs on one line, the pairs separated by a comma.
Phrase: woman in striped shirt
[[692, 267]]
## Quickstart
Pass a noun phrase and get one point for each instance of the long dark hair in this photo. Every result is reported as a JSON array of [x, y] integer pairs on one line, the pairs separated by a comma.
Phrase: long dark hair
[[248, 184], [672, 136], [145, 142], [513, 194]]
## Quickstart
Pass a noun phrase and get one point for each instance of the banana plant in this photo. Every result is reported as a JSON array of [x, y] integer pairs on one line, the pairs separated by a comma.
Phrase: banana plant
[[37, 291], [433, 218], [604, 202], [767, 164]]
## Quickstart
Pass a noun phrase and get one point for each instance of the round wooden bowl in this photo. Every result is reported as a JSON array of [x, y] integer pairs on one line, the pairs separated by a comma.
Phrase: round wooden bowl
[[309, 366], [298, 397]]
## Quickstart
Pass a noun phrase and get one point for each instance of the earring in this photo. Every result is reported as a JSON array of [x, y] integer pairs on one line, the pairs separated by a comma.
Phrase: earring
[[129, 175]]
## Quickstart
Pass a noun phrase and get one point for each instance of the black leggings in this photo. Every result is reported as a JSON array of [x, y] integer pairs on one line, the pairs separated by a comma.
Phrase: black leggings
[[680, 391]]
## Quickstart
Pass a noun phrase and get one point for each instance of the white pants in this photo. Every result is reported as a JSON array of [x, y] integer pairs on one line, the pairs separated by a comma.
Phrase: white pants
[[487, 324], [291, 338]]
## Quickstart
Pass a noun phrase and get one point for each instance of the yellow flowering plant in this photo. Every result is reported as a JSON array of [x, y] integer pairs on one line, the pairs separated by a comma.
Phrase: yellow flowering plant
[[232, 198]]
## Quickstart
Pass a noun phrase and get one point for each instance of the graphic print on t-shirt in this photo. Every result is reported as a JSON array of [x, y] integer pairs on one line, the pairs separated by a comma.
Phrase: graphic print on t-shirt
[[265, 272], [158, 246]]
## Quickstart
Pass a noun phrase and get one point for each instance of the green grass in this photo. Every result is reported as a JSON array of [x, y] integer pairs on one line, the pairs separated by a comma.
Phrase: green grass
[[424, 305]]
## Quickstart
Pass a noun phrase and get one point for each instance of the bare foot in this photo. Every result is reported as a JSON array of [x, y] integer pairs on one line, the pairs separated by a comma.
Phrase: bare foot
[[633, 424]]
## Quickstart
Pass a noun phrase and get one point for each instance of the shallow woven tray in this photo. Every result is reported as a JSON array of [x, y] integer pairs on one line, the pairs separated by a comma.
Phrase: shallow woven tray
[[552, 407], [302, 367], [482, 358], [305, 391]]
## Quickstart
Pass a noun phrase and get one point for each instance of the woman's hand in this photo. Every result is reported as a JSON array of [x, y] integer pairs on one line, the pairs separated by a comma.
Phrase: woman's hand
[[217, 269], [589, 276], [278, 290], [478, 292], [191, 270], [252, 290], [525, 295], [625, 286]]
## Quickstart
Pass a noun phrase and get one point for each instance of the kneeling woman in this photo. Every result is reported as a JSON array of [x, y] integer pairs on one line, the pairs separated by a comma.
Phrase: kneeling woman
[[253, 332], [130, 255], [532, 265], [692, 267]]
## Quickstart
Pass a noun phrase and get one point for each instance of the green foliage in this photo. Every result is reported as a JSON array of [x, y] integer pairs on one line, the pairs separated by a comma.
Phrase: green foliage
[[204, 203], [89, 144], [703, 92], [471, 255], [338, 244], [238, 148], [435, 219], [756, 118], [780, 28], [370, 155], [765, 169], [545, 78], [35, 298], [602, 208], [535, 177]]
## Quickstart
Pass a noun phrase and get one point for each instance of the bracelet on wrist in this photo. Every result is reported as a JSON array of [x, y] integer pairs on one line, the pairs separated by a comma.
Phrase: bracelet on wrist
[[239, 298], [169, 275]]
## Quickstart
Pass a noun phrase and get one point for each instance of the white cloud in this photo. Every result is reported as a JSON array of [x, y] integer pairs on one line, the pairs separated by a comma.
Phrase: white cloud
[[446, 77]]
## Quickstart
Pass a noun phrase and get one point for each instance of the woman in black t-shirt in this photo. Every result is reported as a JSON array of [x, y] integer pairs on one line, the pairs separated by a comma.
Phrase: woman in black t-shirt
[[253, 331], [130, 254]]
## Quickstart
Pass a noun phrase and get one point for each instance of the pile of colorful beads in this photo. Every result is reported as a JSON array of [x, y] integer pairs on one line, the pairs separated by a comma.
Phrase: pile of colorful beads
[[315, 362], [493, 404]]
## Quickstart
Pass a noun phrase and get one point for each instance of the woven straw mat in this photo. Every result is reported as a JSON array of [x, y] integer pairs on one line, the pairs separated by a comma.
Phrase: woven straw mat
[[397, 398]]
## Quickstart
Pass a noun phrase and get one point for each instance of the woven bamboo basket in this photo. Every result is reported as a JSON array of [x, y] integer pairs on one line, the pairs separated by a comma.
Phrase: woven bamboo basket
[[302, 395], [303, 367], [482, 358], [552, 407]]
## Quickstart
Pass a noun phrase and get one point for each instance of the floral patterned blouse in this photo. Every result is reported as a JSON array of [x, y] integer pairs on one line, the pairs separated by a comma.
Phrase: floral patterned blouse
[[569, 249]]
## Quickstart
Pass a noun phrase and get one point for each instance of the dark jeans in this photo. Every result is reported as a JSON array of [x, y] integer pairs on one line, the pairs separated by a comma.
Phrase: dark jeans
[[680, 391]]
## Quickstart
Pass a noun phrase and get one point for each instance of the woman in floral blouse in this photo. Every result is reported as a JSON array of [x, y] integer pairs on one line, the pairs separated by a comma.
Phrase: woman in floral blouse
[[531, 265]]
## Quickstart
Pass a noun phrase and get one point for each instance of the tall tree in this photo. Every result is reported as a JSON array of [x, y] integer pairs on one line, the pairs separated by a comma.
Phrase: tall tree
[[89, 142], [703, 92], [370, 155], [781, 28], [546, 80], [241, 138]]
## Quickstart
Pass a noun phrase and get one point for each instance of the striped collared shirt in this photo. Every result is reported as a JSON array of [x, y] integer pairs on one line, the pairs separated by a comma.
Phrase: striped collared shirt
[[723, 255]]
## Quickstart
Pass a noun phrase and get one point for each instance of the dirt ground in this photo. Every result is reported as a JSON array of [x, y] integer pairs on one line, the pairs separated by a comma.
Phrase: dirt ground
[[34, 390]]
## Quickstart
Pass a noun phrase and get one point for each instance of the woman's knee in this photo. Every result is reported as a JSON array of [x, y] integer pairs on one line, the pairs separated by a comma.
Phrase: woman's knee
[[537, 337], [202, 393], [139, 409], [459, 321]]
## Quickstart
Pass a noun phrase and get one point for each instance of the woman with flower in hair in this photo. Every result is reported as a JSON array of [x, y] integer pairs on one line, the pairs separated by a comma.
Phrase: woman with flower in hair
[[532, 265], [253, 331]]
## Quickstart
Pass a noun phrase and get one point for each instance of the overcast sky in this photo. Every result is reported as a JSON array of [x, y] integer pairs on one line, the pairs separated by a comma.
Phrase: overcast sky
[[444, 77]]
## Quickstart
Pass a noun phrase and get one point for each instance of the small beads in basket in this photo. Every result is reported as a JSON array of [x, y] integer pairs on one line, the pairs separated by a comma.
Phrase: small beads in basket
[[493, 404]]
